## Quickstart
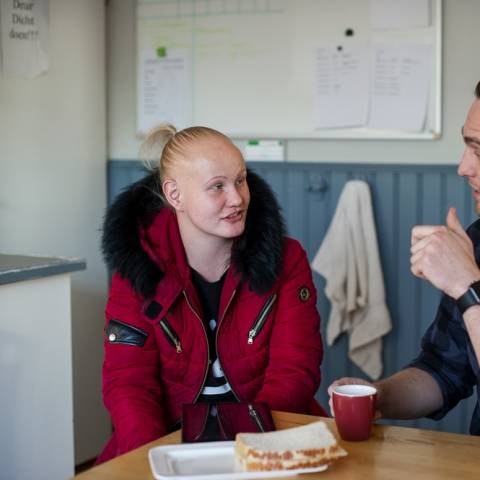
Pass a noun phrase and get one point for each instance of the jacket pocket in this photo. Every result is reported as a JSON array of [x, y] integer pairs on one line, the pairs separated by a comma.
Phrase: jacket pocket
[[171, 335], [122, 333], [261, 318]]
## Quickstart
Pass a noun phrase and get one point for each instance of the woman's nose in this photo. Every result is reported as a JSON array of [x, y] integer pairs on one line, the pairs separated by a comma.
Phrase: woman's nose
[[234, 197]]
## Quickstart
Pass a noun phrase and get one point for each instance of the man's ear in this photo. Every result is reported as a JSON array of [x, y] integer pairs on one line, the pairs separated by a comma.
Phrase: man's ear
[[171, 192]]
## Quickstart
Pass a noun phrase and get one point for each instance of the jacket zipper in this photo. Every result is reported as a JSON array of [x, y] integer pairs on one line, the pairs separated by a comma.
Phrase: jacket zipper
[[260, 320], [206, 339], [256, 417], [172, 336], [216, 342]]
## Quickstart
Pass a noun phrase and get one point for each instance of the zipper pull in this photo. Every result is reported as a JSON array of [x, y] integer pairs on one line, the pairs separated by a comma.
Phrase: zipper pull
[[261, 319], [176, 342], [253, 413], [171, 335]]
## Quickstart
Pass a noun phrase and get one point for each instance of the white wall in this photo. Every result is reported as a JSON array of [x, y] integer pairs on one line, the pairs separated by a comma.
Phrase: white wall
[[460, 67], [52, 186]]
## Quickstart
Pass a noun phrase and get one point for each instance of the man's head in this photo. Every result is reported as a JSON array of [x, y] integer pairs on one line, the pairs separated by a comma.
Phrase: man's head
[[470, 164]]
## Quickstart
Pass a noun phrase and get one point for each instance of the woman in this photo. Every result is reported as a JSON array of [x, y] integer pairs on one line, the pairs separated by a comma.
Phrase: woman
[[209, 300]]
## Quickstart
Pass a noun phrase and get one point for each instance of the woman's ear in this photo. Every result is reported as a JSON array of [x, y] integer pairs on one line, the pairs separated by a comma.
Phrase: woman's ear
[[172, 193]]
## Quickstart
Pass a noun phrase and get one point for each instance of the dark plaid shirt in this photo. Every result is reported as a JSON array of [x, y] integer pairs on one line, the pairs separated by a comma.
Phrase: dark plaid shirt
[[447, 353]]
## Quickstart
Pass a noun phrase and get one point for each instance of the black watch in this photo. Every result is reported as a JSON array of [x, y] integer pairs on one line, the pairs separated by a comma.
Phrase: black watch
[[470, 297]]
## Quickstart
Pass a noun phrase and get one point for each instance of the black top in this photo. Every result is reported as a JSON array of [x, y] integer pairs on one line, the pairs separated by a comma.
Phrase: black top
[[216, 388]]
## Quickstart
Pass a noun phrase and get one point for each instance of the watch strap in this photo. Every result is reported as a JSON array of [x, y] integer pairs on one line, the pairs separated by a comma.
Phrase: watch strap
[[470, 297]]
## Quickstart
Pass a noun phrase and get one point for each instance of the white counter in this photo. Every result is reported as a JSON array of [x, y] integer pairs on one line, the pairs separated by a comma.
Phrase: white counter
[[36, 401]]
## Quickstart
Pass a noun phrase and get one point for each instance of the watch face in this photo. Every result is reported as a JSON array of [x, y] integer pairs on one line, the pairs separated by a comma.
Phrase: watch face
[[475, 286], [469, 298]]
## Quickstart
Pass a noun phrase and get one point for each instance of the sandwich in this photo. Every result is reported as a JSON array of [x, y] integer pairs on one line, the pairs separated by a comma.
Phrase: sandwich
[[307, 446]]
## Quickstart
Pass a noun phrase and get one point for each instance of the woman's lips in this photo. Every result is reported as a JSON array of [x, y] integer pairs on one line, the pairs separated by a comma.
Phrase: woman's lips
[[234, 216]]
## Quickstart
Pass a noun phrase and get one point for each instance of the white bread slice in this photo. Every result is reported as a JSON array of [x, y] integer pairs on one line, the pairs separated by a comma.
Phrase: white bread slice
[[306, 446]]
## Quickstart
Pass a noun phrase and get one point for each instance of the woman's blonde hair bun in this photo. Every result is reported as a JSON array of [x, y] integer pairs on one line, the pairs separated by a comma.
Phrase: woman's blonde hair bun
[[164, 145], [152, 146]]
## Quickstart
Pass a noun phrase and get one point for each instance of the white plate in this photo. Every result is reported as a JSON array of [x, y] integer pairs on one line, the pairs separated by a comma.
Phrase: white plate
[[206, 461]]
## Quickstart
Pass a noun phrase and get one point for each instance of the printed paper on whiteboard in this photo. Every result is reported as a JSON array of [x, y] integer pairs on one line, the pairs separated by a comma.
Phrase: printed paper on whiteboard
[[341, 86], [400, 87], [164, 88]]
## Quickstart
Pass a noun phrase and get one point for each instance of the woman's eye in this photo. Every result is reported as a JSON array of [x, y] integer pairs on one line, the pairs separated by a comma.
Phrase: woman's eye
[[217, 186]]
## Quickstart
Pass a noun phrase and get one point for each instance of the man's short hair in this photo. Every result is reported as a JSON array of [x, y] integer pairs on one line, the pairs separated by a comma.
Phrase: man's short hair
[[477, 90]]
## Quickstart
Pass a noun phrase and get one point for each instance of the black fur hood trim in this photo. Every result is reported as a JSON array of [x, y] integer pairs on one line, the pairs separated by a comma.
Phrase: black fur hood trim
[[256, 255]]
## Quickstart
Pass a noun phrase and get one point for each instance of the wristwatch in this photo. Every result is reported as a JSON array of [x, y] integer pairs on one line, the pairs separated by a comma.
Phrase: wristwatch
[[470, 297]]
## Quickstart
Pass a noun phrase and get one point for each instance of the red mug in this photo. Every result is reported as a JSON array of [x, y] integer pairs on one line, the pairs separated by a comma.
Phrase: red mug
[[354, 408]]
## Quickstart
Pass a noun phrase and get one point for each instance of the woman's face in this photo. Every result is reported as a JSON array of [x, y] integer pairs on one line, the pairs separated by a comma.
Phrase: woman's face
[[213, 191]]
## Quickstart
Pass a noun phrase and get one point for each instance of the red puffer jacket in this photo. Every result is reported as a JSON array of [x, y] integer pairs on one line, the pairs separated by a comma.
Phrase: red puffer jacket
[[156, 349]]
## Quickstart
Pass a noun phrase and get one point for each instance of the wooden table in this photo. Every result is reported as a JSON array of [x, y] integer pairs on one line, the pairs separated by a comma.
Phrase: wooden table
[[390, 453]]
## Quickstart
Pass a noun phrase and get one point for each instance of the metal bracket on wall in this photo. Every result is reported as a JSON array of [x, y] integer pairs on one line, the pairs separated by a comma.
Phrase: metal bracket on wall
[[318, 184]]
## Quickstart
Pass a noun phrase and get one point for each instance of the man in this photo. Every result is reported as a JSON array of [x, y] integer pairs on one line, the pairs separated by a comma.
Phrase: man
[[447, 367]]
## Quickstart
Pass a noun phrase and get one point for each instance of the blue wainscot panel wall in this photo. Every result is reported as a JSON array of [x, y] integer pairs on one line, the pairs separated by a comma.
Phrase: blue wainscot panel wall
[[403, 196]]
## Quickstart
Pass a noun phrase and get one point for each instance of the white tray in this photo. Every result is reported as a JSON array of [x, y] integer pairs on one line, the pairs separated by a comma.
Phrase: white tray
[[206, 461]]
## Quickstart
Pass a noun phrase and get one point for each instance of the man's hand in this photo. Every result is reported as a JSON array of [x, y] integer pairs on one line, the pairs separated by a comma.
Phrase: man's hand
[[443, 255], [352, 381]]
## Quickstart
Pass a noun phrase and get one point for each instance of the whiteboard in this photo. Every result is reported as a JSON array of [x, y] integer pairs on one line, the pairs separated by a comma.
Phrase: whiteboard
[[247, 67]]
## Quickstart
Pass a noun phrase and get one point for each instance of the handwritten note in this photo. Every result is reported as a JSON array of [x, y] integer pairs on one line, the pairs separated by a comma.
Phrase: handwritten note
[[24, 37]]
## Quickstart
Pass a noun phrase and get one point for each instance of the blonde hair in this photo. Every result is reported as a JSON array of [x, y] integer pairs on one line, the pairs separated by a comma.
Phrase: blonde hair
[[165, 145]]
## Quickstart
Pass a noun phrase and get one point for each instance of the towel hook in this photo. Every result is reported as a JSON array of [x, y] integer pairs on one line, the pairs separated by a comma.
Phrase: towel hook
[[361, 176], [318, 184]]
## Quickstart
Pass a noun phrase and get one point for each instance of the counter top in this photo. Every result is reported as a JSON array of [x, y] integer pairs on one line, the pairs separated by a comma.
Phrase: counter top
[[17, 268]]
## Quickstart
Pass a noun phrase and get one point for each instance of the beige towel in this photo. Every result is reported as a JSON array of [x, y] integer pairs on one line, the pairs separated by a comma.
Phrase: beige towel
[[349, 260]]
